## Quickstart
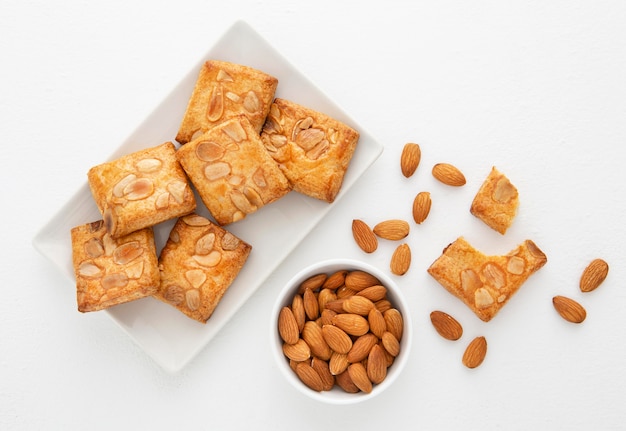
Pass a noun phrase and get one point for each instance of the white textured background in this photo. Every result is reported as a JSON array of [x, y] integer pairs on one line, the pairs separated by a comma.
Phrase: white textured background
[[536, 88]]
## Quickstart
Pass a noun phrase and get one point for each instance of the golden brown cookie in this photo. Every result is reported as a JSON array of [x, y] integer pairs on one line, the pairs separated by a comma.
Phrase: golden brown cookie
[[312, 149], [198, 263], [231, 170], [225, 90], [496, 202], [141, 189], [485, 283], [112, 271]]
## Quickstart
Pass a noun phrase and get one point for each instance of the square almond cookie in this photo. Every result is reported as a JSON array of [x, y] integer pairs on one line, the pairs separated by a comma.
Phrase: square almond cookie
[[112, 271], [312, 149], [141, 189], [485, 283], [225, 90], [231, 171], [198, 264], [496, 202]]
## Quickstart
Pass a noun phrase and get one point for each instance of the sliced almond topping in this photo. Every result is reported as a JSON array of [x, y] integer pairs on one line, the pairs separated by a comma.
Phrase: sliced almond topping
[[174, 294], [241, 202], [118, 279], [208, 260], [216, 171], [118, 189], [232, 96], [494, 276], [318, 150], [127, 252], [230, 241], [138, 189], [259, 177], [215, 109], [89, 270], [148, 165], [94, 248], [195, 220], [482, 298], [205, 244], [309, 138], [223, 76], [470, 281], [162, 201], [516, 265], [192, 299], [251, 102], [235, 131], [177, 190], [135, 270], [195, 277], [208, 151]]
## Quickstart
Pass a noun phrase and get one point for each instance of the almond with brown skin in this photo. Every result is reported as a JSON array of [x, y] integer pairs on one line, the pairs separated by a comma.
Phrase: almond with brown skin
[[359, 280], [593, 275], [391, 343], [364, 236], [358, 375], [401, 259], [300, 351], [311, 304], [376, 365], [569, 309], [323, 370], [309, 376], [313, 336], [337, 339], [421, 207], [352, 324], [377, 323], [410, 159], [447, 326], [475, 352], [361, 347], [357, 305], [448, 174], [288, 326], [392, 230], [374, 293], [394, 321], [345, 382]]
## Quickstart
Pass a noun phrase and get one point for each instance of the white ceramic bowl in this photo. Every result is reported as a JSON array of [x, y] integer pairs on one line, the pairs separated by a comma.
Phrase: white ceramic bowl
[[394, 295]]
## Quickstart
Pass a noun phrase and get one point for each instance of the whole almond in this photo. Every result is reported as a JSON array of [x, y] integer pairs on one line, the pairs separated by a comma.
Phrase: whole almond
[[364, 236], [358, 280], [288, 326], [338, 363], [392, 230], [593, 275], [374, 293], [358, 375], [391, 343], [401, 259], [309, 376], [421, 207], [357, 305], [313, 336], [376, 364], [297, 308], [314, 283], [377, 323], [447, 326], [352, 324], [345, 382], [323, 370], [300, 351], [394, 321], [324, 296], [475, 352], [569, 309], [335, 280], [311, 304], [337, 339], [448, 174], [361, 347], [410, 159]]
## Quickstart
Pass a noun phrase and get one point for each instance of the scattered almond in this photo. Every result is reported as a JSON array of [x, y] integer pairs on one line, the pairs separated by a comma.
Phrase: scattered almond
[[393, 230], [401, 259], [475, 352], [447, 326], [448, 174], [410, 159], [364, 236], [569, 309], [421, 207], [593, 275]]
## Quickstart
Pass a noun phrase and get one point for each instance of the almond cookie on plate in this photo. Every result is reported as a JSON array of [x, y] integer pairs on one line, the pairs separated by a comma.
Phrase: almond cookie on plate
[[225, 90], [311, 148], [141, 189], [231, 171], [198, 264], [485, 283], [112, 271]]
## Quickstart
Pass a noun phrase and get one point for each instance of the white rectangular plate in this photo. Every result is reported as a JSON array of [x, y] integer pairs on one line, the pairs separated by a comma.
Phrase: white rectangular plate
[[165, 334]]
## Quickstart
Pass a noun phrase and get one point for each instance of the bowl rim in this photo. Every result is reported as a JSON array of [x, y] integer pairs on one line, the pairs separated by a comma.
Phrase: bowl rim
[[336, 395]]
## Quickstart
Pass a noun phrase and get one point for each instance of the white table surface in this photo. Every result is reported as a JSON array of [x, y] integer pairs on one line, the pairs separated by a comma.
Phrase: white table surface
[[535, 88]]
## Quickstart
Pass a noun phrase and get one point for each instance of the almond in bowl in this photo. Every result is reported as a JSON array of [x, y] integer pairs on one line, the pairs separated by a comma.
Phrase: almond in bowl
[[341, 331]]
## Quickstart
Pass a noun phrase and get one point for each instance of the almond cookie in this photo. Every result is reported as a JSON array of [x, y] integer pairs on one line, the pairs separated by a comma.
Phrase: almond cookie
[[231, 171], [496, 202], [312, 149], [485, 283], [112, 271], [198, 264], [225, 90], [141, 189]]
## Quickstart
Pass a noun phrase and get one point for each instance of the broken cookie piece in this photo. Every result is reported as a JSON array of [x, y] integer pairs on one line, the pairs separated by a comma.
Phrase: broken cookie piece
[[485, 283], [496, 202]]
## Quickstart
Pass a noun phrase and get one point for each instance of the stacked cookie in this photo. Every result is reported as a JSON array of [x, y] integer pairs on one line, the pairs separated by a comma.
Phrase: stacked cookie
[[241, 149]]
